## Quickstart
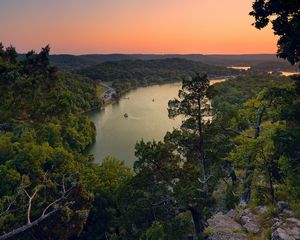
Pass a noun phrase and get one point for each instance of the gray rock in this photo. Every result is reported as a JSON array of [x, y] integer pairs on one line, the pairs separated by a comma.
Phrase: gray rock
[[294, 221], [295, 232], [288, 213], [286, 230], [261, 209], [228, 236], [232, 213], [223, 227], [281, 234], [221, 222], [250, 221], [276, 223]]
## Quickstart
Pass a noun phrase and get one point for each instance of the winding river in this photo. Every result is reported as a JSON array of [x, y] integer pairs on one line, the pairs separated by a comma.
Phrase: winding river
[[147, 119]]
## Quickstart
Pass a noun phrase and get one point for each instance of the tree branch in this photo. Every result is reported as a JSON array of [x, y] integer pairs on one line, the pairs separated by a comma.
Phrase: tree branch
[[44, 215]]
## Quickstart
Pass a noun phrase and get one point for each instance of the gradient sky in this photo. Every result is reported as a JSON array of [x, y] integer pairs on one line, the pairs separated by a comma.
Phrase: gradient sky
[[133, 26]]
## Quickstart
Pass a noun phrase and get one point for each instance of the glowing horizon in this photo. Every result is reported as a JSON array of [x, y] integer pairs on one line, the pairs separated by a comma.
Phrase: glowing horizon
[[133, 26]]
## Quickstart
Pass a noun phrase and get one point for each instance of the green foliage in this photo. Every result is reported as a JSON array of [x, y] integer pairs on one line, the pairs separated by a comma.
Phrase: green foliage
[[266, 218], [42, 140], [32, 89], [258, 116], [267, 234], [235, 92], [155, 232], [103, 221], [128, 74]]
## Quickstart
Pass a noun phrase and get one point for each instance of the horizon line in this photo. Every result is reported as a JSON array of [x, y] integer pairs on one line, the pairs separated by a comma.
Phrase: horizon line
[[203, 54]]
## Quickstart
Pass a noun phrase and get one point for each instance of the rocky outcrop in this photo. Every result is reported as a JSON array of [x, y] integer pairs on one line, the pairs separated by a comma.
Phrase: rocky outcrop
[[250, 222], [239, 225], [289, 229], [224, 227]]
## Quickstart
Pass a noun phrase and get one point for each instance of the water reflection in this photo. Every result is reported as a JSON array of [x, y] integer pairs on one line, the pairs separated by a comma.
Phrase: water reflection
[[147, 119]]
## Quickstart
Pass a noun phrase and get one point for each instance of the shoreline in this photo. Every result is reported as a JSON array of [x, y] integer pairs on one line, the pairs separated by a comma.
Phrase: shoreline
[[114, 100]]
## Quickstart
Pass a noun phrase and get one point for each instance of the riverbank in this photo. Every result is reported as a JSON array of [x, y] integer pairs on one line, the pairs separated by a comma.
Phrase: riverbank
[[119, 96], [147, 119]]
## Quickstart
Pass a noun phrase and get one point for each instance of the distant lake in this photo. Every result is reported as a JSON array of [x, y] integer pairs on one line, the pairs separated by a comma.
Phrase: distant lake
[[147, 119], [240, 67], [287, 74]]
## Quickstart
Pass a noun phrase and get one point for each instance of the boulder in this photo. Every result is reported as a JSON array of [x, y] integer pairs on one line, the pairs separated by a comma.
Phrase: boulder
[[235, 225], [250, 221], [233, 214], [261, 209], [224, 227], [286, 230], [228, 236], [294, 221], [288, 213]]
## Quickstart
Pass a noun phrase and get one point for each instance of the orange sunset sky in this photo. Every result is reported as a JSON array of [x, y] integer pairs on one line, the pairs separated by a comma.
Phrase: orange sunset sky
[[133, 26]]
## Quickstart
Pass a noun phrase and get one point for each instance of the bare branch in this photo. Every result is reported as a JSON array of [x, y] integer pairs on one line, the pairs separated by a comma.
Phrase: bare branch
[[26, 193], [44, 215], [8, 208], [64, 196], [27, 226], [206, 179], [30, 204]]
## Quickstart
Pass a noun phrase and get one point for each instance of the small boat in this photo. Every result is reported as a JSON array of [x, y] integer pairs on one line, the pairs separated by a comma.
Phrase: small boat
[[125, 115], [153, 100]]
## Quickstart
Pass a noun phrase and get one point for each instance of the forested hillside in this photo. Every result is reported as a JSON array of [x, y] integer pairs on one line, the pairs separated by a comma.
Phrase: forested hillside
[[44, 173], [128, 74], [77, 61], [152, 70]]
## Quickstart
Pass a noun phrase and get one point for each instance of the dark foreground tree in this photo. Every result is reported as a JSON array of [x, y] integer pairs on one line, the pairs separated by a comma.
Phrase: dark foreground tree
[[193, 105], [284, 16]]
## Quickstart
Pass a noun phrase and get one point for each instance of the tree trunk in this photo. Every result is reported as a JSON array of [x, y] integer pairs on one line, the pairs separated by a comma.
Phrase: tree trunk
[[272, 192], [201, 149], [199, 222], [259, 120], [230, 172], [244, 200]]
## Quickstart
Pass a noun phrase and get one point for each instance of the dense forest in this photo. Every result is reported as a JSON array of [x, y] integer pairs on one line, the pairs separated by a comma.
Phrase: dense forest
[[273, 67], [128, 74], [234, 160], [72, 62], [152, 70]]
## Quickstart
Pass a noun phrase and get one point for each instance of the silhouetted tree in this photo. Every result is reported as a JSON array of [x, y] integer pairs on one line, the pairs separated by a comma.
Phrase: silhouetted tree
[[284, 16]]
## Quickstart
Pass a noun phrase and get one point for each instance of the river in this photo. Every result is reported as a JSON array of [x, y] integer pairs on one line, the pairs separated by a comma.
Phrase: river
[[147, 119]]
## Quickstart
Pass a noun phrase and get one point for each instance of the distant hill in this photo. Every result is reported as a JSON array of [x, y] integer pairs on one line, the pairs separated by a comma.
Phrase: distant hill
[[170, 69], [128, 74], [71, 62], [274, 67], [222, 60]]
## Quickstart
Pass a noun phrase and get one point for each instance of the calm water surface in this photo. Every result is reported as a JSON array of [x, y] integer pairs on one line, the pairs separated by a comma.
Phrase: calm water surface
[[147, 119]]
